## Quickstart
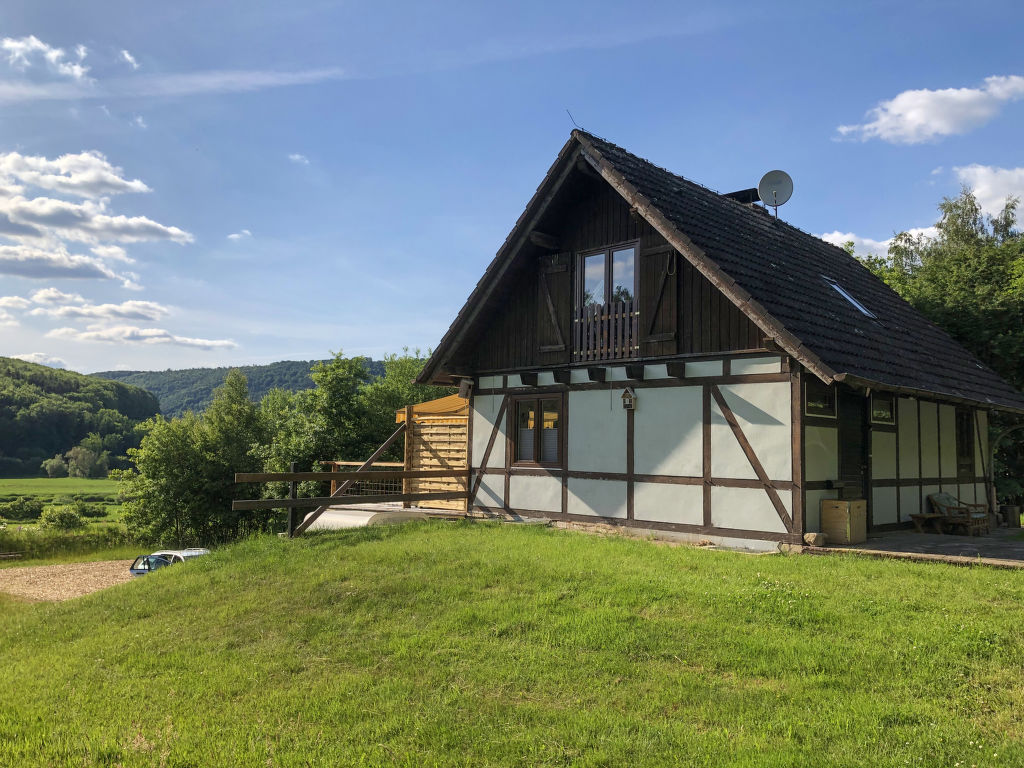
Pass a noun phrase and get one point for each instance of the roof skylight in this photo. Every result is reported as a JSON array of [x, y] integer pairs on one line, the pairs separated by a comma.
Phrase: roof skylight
[[849, 297]]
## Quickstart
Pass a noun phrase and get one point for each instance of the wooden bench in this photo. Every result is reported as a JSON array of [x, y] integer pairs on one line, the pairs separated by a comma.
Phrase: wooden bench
[[10, 555], [955, 513]]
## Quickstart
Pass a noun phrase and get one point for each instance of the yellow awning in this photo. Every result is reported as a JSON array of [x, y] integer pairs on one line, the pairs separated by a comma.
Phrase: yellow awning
[[452, 405]]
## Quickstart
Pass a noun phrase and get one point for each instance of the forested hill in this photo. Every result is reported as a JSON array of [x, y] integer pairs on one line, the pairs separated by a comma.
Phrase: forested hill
[[191, 389], [45, 411]]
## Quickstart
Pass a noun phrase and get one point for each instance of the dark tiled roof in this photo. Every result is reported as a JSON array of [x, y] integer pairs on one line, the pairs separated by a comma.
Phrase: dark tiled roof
[[784, 270], [777, 273]]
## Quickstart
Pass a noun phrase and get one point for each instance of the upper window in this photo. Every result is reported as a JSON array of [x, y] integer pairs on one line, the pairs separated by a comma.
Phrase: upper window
[[819, 400], [608, 276], [883, 408], [849, 297], [537, 434]]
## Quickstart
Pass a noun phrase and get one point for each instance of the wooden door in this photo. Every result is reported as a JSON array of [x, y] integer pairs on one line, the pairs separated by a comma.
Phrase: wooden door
[[853, 445]]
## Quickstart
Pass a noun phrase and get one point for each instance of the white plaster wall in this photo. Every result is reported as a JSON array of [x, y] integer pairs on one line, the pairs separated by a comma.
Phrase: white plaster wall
[[883, 506], [929, 440], [597, 430], [906, 424], [485, 413], [748, 509], [746, 365], [535, 492], [947, 432], [659, 371], [966, 492], [763, 413], [665, 503], [910, 501], [980, 493], [812, 509], [703, 368], [490, 382], [603, 498], [883, 455], [668, 437], [492, 491], [821, 453], [927, 491]]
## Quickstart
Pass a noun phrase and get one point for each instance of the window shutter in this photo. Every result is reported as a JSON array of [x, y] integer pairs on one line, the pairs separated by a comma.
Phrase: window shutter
[[658, 305], [553, 307]]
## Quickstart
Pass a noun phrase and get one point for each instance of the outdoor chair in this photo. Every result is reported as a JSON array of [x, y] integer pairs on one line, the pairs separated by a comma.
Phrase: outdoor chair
[[972, 517]]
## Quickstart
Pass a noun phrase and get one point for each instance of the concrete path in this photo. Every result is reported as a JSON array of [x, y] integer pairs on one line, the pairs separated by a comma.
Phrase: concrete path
[[1000, 548]]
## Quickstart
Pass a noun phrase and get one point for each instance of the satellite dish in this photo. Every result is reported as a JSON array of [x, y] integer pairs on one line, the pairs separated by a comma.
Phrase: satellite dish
[[774, 189]]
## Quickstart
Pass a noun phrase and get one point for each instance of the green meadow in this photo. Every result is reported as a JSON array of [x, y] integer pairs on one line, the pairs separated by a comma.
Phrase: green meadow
[[479, 644]]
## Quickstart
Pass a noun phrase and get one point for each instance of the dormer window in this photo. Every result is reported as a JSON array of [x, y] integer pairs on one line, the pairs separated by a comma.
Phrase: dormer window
[[605, 318], [849, 297]]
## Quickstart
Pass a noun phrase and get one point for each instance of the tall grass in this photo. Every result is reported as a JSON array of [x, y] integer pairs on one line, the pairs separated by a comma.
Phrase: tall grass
[[35, 542]]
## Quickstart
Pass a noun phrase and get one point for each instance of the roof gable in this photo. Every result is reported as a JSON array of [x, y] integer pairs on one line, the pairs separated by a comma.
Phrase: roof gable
[[778, 275]]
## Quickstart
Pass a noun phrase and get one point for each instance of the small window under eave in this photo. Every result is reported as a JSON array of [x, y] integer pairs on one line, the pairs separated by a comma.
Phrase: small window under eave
[[850, 298]]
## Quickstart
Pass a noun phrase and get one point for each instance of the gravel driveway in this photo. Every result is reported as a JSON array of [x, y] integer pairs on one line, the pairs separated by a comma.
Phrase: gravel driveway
[[62, 582]]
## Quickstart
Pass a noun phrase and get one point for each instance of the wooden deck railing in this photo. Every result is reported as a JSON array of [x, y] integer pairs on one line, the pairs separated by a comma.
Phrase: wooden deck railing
[[341, 489], [606, 332]]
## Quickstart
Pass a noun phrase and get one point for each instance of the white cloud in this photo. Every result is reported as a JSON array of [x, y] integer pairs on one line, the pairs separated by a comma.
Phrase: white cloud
[[86, 174], [55, 296], [139, 122], [7, 319], [14, 302], [866, 245], [166, 86], [915, 116], [28, 261], [129, 59], [992, 184], [42, 358], [126, 310], [22, 52], [112, 253], [241, 234], [298, 159], [88, 221], [128, 334]]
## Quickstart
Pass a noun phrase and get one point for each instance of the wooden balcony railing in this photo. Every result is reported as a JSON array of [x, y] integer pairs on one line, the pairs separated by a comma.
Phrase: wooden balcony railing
[[606, 332]]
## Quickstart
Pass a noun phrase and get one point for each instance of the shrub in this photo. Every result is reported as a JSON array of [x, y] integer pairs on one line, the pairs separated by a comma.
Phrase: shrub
[[22, 509], [55, 467], [62, 518], [47, 542]]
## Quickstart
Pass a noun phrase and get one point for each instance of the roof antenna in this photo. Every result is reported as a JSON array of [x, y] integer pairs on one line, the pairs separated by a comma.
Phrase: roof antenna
[[574, 120]]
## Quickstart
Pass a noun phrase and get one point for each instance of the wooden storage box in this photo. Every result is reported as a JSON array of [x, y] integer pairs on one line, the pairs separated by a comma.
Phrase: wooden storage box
[[844, 522]]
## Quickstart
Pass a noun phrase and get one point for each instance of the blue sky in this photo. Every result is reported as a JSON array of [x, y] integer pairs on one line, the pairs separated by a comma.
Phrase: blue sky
[[192, 183]]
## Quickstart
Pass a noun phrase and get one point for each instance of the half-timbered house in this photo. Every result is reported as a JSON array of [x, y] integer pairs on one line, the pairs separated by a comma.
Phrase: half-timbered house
[[646, 352]]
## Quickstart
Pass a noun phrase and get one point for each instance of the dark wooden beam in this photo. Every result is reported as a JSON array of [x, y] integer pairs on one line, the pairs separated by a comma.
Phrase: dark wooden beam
[[596, 374], [635, 371], [562, 375], [544, 240], [528, 379], [676, 370], [415, 474]]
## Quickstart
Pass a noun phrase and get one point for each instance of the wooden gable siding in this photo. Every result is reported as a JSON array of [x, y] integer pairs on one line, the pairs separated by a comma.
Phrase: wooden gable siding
[[530, 322]]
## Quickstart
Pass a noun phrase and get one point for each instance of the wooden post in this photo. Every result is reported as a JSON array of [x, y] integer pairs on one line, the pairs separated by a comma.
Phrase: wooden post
[[293, 493], [410, 435]]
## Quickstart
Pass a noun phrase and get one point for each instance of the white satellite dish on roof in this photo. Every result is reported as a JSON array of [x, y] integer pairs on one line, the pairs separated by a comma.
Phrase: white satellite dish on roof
[[774, 189]]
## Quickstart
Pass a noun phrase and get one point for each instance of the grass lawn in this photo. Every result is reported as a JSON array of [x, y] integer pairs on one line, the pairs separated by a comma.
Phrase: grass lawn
[[469, 644], [123, 552], [48, 488]]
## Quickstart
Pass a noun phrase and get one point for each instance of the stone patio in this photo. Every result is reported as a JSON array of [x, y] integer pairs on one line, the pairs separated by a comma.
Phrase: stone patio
[[1003, 547]]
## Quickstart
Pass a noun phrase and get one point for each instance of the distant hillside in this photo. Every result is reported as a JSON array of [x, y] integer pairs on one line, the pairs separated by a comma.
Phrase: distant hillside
[[45, 411], [191, 389]]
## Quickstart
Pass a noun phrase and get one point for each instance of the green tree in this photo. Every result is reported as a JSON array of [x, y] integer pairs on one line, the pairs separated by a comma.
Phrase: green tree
[[55, 467], [61, 518], [181, 488], [83, 462]]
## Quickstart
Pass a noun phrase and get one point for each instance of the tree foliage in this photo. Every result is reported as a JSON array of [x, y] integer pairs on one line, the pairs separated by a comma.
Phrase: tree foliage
[[182, 486], [44, 411], [969, 280]]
